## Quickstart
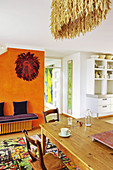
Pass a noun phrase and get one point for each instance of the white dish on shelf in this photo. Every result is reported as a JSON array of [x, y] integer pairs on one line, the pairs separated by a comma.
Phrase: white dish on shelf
[[64, 136], [94, 56], [100, 66]]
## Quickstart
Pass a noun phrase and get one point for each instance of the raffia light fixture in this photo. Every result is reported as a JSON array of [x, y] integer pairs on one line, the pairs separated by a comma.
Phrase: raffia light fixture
[[69, 18]]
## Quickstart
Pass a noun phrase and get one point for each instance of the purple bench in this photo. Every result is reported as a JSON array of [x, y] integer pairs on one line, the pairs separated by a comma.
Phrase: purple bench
[[16, 118], [16, 123]]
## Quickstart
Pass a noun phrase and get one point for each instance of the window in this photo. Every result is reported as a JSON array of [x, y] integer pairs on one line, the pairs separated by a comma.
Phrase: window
[[70, 69], [49, 85]]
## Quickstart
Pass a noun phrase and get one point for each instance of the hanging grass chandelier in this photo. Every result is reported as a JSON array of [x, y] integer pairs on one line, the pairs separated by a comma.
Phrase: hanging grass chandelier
[[70, 18]]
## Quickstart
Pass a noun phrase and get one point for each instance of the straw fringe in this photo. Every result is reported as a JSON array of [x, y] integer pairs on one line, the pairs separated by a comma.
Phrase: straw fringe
[[70, 18]]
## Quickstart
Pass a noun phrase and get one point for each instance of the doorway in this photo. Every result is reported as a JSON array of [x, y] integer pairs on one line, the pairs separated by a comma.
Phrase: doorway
[[52, 83]]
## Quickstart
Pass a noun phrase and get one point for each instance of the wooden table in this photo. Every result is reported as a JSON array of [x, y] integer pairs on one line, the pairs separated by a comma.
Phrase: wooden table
[[79, 147]]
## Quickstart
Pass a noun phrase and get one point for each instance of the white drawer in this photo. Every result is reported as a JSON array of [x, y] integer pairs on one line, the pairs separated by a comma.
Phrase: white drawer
[[104, 108], [111, 100], [111, 107], [104, 101]]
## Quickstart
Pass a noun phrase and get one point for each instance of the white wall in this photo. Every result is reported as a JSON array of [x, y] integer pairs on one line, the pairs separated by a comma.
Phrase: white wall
[[79, 83], [75, 85], [83, 82]]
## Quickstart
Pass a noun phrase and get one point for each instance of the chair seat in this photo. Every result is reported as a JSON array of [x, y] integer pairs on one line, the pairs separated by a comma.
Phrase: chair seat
[[36, 165], [51, 162]]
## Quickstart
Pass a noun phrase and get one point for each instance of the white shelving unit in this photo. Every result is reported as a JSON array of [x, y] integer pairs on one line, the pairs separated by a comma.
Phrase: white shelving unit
[[100, 86], [99, 80]]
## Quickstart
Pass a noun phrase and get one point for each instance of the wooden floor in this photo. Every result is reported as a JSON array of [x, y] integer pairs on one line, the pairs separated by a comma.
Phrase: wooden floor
[[38, 131], [20, 134]]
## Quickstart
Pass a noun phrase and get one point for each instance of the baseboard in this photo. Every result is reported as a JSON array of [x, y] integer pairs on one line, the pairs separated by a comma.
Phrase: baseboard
[[100, 117], [66, 115]]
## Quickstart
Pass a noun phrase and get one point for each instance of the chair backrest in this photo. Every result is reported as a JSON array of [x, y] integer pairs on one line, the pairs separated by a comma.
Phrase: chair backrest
[[50, 112], [29, 142]]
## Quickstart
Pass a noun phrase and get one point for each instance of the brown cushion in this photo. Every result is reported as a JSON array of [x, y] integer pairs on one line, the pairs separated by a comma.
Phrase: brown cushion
[[52, 162], [36, 165]]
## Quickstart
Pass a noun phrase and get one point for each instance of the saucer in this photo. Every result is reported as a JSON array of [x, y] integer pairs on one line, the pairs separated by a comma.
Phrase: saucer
[[64, 136]]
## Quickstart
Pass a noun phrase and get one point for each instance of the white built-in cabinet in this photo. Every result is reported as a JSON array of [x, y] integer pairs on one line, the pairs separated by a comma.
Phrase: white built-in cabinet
[[100, 86]]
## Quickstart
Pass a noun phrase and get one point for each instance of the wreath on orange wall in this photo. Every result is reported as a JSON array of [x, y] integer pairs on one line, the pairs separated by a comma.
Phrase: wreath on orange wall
[[27, 66]]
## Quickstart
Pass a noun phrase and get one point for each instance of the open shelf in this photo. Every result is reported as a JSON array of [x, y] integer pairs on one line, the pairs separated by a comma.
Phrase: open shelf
[[99, 86], [110, 87], [100, 80]]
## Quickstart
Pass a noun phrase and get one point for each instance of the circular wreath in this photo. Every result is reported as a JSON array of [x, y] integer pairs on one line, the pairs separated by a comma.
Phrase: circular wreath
[[27, 66]]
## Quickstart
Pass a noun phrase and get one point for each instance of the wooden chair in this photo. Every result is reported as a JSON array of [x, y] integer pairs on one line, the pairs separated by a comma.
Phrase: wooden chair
[[53, 116], [51, 112], [46, 162]]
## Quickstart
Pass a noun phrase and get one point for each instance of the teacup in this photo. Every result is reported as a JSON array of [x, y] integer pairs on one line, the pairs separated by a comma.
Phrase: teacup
[[65, 131]]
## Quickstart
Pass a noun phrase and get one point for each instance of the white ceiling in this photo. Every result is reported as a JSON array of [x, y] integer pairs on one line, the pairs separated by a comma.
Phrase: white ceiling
[[25, 24]]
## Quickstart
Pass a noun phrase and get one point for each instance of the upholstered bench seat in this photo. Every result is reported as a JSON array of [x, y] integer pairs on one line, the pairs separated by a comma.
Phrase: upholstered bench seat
[[16, 123], [16, 118]]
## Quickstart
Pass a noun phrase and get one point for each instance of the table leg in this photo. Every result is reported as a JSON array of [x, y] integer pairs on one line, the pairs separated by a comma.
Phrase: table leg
[[43, 142]]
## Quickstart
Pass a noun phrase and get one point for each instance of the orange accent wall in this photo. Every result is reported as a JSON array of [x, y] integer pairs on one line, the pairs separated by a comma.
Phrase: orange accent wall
[[13, 88]]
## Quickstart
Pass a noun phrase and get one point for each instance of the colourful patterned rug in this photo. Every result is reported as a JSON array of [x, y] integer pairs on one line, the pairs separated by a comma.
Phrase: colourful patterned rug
[[14, 155]]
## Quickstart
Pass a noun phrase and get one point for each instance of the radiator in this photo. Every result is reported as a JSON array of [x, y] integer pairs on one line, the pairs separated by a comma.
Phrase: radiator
[[15, 127]]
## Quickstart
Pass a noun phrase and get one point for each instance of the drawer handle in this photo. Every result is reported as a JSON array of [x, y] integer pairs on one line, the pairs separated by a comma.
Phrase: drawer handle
[[104, 106], [104, 99]]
